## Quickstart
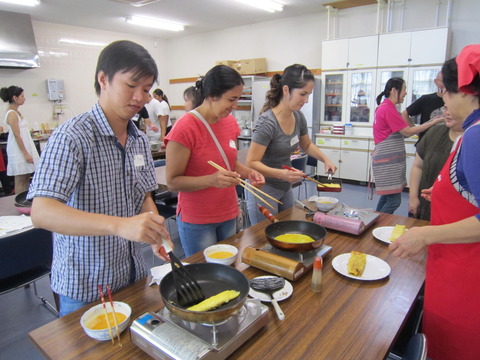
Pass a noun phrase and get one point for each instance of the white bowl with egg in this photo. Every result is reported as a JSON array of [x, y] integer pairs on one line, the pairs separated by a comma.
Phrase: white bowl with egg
[[95, 316], [221, 254], [326, 203]]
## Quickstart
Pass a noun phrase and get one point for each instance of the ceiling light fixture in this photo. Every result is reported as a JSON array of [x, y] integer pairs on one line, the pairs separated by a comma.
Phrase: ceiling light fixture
[[154, 23], [82, 42], [267, 5], [22, 2]]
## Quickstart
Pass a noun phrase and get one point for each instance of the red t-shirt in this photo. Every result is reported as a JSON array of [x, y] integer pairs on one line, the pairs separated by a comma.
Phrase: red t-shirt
[[387, 121], [210, 205]]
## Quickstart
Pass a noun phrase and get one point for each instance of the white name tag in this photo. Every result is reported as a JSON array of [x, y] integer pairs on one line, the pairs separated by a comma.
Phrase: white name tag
[[233, 144], [138, 160], [294, 140]]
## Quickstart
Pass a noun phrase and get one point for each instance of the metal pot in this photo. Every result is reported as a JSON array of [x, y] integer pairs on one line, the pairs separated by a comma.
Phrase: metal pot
[[315, 231], [246, 132], [213, 279]]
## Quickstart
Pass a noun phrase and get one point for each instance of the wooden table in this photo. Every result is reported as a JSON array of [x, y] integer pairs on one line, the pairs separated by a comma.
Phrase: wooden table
[[349, 319], [160, 154]]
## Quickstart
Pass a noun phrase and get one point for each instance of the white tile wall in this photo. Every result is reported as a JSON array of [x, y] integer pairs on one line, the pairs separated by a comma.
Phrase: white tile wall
[[74, 64]]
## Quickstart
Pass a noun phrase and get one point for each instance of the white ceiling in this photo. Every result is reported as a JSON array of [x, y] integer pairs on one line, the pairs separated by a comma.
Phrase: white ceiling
[[198, 15]]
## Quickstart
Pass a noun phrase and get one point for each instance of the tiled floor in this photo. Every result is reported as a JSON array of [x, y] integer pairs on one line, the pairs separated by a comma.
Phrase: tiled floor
[[22, 312]]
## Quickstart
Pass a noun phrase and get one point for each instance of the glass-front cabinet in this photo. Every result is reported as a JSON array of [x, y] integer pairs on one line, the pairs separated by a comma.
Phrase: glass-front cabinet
[[385, 75], [334, 97], [421, 82], [361, 96]]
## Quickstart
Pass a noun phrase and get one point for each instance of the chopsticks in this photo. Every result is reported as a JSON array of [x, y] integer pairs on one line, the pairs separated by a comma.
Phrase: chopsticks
[[106, 313], [247, 186], [114, 314], [305, 176]]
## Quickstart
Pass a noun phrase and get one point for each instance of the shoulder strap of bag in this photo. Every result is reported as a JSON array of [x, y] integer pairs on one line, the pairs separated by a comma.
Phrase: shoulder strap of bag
[[202, 119]]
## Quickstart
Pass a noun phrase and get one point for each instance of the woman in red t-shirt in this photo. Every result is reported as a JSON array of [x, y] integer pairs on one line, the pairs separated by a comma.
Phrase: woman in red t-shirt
[[207, 200]]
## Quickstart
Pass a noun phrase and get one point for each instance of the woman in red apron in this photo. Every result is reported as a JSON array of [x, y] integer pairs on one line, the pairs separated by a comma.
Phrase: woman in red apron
[[451, 320]]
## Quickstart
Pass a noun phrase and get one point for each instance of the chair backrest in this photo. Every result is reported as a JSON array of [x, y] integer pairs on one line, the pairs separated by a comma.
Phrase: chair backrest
[[311, 161], [416, 348], [300, 162], [25, 251]]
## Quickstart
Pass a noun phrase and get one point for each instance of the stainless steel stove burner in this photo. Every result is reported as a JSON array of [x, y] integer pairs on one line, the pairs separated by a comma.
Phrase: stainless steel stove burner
[[164, 336]]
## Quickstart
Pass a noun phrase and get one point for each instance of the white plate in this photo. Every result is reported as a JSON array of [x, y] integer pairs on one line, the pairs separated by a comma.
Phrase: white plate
[[375, 268], [383, 233], [158, 272], [279, 295]]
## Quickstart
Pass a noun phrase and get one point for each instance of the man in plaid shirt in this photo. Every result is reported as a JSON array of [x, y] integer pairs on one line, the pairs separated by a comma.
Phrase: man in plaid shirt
[[93, 185]]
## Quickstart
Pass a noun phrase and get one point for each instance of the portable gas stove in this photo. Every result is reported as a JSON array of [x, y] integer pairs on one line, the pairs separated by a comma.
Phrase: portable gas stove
[[164, 336]]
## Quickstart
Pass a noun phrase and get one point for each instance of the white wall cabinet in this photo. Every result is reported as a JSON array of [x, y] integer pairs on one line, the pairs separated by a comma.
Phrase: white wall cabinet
[[351, 53], [422, 47]]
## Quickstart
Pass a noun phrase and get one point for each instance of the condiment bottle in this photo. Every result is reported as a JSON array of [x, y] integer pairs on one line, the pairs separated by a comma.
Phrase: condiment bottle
[[317, 284]]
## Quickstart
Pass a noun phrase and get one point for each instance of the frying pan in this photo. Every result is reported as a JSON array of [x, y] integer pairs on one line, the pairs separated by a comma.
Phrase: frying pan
[[23, 205], [213, 279], [315, 231]]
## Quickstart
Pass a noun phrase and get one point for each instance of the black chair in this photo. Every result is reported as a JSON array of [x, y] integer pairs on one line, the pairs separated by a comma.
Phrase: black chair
[[300, 163], [416, 349], [313, 163], [26, 257]]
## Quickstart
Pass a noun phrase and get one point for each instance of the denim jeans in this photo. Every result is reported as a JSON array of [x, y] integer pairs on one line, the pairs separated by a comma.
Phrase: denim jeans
[[286, 197], [389, 203], [68, 305], [197, 237]]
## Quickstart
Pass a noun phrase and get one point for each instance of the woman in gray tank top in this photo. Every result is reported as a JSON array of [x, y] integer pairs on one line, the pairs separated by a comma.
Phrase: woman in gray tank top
[[277, 133]]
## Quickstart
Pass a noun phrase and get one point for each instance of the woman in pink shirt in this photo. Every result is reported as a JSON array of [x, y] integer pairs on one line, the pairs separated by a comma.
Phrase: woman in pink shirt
[[389, 156], [207, 200]]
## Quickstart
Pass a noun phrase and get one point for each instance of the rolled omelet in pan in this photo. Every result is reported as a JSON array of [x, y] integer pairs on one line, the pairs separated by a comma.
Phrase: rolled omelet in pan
[[356, 263], [215, 301]]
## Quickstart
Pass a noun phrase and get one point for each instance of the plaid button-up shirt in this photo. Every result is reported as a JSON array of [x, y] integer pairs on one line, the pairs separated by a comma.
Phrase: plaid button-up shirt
[[85, 167]]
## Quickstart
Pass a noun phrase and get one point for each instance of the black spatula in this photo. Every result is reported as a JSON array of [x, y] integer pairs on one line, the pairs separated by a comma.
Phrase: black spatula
[[269, 286]]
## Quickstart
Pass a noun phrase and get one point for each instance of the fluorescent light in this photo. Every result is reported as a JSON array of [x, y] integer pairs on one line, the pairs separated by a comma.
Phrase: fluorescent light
[[154, 23], [22, 2], [267, 5], [82, 42]]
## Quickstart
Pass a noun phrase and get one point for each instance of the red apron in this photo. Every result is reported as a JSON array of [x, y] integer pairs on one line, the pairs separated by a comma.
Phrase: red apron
[[451, 320]]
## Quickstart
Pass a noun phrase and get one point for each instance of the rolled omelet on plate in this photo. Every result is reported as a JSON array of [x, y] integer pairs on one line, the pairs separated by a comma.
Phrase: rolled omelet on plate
[[215, 301], [398, 231], [356, 263]]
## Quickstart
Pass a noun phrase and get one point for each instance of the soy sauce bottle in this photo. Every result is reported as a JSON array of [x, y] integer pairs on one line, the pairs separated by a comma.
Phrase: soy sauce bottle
[[317, 281]]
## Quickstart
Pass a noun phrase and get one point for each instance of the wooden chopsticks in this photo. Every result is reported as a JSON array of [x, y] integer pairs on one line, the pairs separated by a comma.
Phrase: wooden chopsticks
[[249, 187], [106, 313], [305, 176], [102, 297], [114, 314]]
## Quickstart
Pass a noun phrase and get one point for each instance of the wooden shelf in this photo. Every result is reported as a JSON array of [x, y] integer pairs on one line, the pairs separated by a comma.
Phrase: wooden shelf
[[346, 4]]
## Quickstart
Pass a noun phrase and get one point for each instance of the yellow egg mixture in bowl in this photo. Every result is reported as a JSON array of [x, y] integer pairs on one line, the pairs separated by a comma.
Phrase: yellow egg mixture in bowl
[[94, 322], [221, 254]]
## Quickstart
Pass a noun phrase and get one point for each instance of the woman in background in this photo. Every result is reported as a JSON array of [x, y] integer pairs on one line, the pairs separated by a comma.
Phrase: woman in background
[[3, 173], [190, 96], [207, 207], [277, 133], [164, 114], [389, 159], [451, 320], [21, 151], [432, 152]]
